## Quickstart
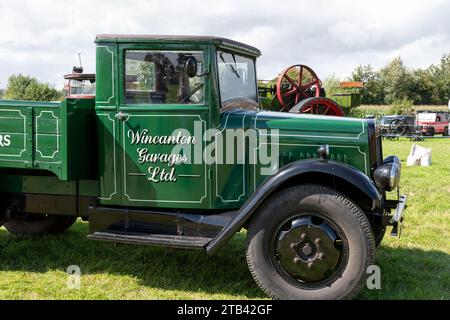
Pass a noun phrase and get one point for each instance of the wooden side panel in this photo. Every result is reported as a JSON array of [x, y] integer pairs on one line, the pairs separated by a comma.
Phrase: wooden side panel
[[16, 147]]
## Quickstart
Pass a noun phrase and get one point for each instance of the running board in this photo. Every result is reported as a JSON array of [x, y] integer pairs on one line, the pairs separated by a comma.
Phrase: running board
[[166, 240]]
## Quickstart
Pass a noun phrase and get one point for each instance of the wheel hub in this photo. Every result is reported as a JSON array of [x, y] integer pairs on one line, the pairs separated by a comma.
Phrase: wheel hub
[[308, 249]]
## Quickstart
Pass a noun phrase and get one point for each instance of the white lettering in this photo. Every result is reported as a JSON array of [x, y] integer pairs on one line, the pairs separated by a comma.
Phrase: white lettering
[[142, 137], [199, 311], [5, 140], [156, 174]]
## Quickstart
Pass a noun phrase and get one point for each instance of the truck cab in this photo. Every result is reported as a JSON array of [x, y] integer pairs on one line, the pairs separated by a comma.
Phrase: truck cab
[[175, 150], [79, 85], [152, 99]]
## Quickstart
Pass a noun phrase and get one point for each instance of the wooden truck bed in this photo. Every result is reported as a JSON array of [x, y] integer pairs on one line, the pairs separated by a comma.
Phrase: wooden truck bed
[[50, 136]]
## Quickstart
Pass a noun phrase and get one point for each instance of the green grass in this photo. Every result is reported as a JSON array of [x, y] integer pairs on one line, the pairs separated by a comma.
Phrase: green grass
[[417, 266], [385, 107]]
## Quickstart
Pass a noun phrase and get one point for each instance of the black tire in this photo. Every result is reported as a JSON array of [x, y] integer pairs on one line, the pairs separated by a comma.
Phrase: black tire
[[38, 224], [296, 203], [445, 133]]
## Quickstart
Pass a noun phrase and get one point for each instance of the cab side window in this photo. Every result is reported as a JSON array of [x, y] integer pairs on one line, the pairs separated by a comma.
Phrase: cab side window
[[160, 77]]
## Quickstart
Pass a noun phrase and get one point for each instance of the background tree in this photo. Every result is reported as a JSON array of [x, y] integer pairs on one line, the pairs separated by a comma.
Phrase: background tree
[[21, 87], [397, 82], [441, 77], [425, 88], [372, 93], [330, 83]]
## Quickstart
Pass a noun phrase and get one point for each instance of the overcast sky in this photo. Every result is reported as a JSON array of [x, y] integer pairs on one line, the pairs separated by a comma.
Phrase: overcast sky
[[42, 37]]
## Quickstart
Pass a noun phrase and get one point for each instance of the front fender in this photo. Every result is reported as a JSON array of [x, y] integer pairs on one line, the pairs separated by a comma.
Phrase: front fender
[[297, 168]]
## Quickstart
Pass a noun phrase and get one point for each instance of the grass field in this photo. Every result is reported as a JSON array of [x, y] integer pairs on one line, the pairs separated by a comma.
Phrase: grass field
[[415, 267], [372, 107], [378, 111]]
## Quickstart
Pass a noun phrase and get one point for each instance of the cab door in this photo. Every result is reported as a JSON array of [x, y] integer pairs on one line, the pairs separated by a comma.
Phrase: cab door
[[161, 119]]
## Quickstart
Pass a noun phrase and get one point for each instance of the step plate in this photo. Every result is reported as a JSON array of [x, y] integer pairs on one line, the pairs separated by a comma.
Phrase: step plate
[[173, 241]]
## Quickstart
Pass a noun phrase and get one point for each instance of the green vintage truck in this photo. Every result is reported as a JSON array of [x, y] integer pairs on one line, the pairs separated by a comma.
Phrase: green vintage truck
[[174, 150]]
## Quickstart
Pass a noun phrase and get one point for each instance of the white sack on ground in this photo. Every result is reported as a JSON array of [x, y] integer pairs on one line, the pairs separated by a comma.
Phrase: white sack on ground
[[419, 156]]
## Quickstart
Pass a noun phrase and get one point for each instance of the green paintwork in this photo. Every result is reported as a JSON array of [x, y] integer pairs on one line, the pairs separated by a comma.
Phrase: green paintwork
[[36, 184], [48, 136], [299, 137], [347, 100], [81, 147]]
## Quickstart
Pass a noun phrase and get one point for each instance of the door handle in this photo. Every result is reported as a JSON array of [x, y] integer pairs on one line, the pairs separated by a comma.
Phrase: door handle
[[122, 116]]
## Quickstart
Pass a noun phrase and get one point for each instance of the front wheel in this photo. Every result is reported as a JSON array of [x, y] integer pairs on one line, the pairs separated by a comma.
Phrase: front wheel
[[309, 242]]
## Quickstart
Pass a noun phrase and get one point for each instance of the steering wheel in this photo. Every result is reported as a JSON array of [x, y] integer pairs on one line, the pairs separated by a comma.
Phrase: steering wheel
[[190, 94], [297, 89], [239, 103]]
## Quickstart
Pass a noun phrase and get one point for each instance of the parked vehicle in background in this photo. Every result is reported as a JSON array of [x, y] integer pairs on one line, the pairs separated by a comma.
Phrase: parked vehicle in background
[[79, 85], [432, 122], [348, 95], [398, 124]]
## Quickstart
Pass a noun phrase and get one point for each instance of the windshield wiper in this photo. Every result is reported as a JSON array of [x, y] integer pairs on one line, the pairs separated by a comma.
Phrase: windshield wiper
[[233, 69]]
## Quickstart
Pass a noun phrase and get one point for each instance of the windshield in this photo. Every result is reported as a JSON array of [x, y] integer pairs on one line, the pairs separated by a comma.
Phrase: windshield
[[82, 87], [426, 116], [237, 76], [386, 120]]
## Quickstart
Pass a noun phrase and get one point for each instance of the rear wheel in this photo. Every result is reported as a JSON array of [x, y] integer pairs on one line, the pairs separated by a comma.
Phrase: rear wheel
[[38, 224], [3, 206], [310, 242]]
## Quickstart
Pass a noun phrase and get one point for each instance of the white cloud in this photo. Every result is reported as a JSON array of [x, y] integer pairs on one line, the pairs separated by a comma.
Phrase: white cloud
[[42, 37]]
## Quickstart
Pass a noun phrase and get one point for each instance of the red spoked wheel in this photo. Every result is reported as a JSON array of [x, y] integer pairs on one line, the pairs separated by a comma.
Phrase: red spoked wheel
[[318, 105], [295, 84]]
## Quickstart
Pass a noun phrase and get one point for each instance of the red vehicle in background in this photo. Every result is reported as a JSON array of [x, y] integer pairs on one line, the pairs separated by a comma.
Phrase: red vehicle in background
[[430, 122]]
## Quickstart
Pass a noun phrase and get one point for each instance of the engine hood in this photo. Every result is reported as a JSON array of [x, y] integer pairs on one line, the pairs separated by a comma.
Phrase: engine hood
[[310, 126], [299, 135]]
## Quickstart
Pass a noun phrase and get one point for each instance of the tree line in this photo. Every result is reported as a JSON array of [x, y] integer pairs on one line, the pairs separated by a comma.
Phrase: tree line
[[22, 87], [395, 82]]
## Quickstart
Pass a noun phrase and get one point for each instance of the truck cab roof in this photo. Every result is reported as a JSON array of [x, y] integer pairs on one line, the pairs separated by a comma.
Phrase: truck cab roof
[[211, 40]]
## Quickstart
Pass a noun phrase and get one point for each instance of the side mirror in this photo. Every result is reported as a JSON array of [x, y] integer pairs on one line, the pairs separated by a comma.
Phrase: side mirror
[[191, 67]]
